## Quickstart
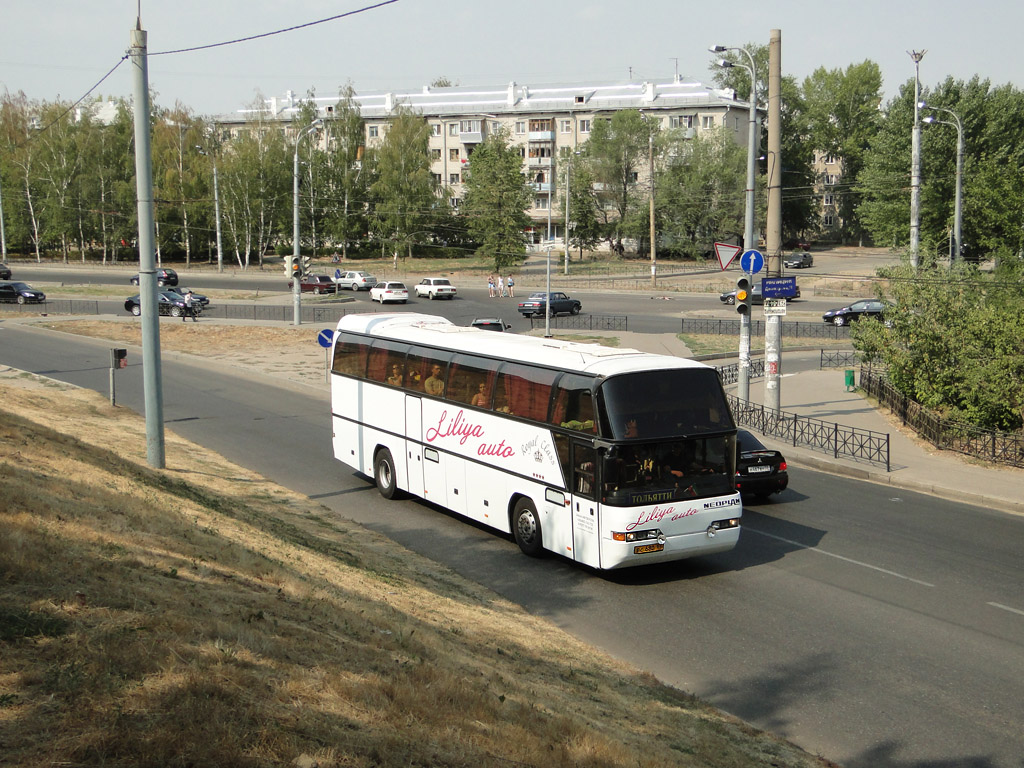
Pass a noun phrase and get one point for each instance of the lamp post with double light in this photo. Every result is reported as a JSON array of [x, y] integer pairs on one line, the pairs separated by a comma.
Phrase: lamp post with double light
[[743, 388], [216, 207], [958, 201], [296, 276]]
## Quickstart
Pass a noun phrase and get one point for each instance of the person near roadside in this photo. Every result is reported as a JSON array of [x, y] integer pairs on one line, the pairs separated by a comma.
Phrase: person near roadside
[[511, 286], [501, 287], [190, 308], [490, 287]]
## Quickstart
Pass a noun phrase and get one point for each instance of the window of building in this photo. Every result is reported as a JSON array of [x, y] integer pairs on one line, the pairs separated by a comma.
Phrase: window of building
[[565, 126], [372, 131], [522, 151], [584, 126], [541, 203], [520, 127], [542, 125], [540, 151], [437, 178], [455, 202], [435, 129], [453, 129], [435, 154], [634, 177], [469, 126], [831, 178], [830, 220], [829, 200], [707, 122], [453, 178], [453, 154]]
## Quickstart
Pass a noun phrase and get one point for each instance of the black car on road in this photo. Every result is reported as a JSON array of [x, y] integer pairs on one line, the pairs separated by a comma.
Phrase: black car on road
[[760, 471], [168, 303], [21, 293], [756, 297], [5, 272], [857, 310], [537, 304], [163, 277], [198, 298]]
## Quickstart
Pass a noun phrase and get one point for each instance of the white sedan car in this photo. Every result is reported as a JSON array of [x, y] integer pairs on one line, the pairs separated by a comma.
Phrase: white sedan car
[[435, 288], [354, 280], [389, 291]]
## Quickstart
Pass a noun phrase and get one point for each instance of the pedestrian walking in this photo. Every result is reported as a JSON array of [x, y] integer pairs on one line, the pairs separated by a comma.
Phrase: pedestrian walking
[[190, 307], [501, 287], [490, 287], [511, 286]]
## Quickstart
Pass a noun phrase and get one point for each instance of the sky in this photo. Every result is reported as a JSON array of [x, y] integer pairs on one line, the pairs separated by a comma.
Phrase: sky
[[66, 49]]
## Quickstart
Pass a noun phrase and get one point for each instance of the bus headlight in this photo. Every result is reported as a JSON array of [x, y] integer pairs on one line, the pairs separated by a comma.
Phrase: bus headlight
[[721, 525], [654, 533]]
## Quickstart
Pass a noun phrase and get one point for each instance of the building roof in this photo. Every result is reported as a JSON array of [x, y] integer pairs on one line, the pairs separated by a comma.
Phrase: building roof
[[515, 98]]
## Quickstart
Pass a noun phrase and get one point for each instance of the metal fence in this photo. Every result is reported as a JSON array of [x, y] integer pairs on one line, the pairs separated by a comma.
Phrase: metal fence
[[838, 359], [584, 322], [828, 437], [262, 312], [730, 374], [988, 444], [794, 329]]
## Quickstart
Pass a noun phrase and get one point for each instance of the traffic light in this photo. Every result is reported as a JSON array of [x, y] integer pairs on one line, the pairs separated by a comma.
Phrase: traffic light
[[305, 265], [289, 266], [743, 295]]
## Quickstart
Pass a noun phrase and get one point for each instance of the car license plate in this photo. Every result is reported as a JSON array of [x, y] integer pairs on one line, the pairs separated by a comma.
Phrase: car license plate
[[645, 548], [758, 468]]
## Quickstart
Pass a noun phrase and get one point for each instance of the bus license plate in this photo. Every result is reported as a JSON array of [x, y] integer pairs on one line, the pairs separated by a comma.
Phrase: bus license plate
[[645, 548]]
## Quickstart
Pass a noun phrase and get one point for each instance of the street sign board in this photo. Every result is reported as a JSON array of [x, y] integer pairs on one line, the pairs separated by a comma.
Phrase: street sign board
[[774, 307], [726, 252], [752, 261], [778, 287], [325, 337]]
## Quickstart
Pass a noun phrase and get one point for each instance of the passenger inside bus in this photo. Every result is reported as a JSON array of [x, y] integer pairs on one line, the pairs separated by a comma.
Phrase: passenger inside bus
[[396, 379], [481, 399], [434, 385]]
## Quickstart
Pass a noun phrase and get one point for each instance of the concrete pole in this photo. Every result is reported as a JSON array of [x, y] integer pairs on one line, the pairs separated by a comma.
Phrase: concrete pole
[[915, 165], [296, 275], [216, 214], [3, 236], [773, 238], [147, 260], [958, 205], [565, 233], [650, 170]]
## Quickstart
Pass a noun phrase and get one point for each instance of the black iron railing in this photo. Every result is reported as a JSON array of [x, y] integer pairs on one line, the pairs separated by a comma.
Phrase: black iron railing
[[584, 322], [793, 329]]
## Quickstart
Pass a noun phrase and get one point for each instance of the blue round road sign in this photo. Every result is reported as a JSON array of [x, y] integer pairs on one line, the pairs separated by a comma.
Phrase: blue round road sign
[[325, 337], [752, 261]]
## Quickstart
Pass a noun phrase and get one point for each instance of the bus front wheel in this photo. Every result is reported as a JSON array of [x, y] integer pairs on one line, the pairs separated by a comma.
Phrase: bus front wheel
[[526, 528], [384, 474]]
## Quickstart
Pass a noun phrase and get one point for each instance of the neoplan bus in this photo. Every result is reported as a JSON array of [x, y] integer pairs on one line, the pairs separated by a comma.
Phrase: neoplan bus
[[610, 457]]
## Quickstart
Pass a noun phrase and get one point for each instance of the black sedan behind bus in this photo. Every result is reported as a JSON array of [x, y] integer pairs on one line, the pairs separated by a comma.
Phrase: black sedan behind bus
[[760, 471]]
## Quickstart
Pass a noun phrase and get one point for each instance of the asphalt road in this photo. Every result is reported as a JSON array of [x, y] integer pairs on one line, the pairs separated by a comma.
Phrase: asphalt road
[[867, 625]]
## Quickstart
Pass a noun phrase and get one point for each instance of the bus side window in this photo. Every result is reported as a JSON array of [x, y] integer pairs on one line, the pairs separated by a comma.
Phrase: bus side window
[[525, 390], [470, 380], [574, 404], [350, 355]]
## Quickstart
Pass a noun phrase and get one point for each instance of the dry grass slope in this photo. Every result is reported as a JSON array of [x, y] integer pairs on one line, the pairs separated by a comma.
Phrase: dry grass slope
[[201, 616]]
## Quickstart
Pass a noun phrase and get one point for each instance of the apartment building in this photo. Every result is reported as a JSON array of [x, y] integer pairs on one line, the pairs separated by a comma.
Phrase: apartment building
[[828, 171], [540, 120]]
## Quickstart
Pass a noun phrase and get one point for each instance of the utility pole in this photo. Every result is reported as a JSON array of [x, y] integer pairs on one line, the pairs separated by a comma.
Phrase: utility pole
[[915, 165], [3, 237], [147, 261], [296, 275], [650, 170], [773, 234], [568, 170]]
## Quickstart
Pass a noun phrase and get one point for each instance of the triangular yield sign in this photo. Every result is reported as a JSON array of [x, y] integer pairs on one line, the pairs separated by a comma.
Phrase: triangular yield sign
[[726, 252]]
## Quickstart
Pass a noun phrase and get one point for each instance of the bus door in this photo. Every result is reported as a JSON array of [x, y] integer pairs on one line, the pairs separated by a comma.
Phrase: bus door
[[414, 444], [586, 529]]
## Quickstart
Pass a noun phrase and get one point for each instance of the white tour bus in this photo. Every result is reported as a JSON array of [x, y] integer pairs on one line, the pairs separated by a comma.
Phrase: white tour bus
[[610, 457]]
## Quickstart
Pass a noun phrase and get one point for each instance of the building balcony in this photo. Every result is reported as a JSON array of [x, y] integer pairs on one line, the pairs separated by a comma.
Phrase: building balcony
[[539, 162], [471, 137], [542, 136], [540, 186]]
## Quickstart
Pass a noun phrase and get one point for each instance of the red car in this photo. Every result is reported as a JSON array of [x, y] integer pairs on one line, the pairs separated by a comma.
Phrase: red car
[[316, 284]]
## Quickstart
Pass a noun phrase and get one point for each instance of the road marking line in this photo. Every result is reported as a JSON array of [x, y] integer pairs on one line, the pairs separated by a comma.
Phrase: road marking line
[[840, 557], [1006, 608]]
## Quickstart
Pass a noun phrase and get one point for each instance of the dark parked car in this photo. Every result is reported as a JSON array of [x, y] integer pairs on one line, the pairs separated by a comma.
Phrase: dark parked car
[[490, 324], [760, 471], [855, 311], [168, 303], [729, 297], [199, 298], [163, 277], [5, 272], [799, 260], [316, 284], [537, 304], [21, 293]]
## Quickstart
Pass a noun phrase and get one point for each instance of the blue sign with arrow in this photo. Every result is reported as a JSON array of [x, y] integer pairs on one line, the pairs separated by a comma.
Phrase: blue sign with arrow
[[752, 261], [325, 337]]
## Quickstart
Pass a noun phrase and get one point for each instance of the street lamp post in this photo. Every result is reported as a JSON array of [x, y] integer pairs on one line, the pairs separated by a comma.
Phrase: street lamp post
[[743, 388], [958, 202], [915, 165], [296, 279]]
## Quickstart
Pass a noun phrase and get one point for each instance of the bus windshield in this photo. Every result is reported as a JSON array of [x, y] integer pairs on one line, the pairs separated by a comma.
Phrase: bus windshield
[[660, 404], [641, 473]]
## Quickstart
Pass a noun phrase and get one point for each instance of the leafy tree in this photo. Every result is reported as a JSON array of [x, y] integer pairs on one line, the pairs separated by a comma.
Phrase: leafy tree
[[349, 170], [954, 341], [496, 201], [842, 113], [701, 192], [584, 226], [615, 154], [405, 194]]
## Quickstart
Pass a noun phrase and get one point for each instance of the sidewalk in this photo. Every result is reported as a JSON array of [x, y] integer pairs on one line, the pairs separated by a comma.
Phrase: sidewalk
[[915, 465]]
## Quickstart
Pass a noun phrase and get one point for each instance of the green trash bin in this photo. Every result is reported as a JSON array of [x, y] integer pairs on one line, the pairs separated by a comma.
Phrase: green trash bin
[[850, 383]]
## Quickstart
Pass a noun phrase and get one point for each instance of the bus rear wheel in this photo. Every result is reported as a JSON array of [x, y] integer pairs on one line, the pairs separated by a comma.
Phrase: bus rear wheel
[[526, 528], [384, 474]]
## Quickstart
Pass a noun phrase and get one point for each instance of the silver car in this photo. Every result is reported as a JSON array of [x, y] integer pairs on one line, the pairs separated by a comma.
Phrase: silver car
[[354, 280]]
